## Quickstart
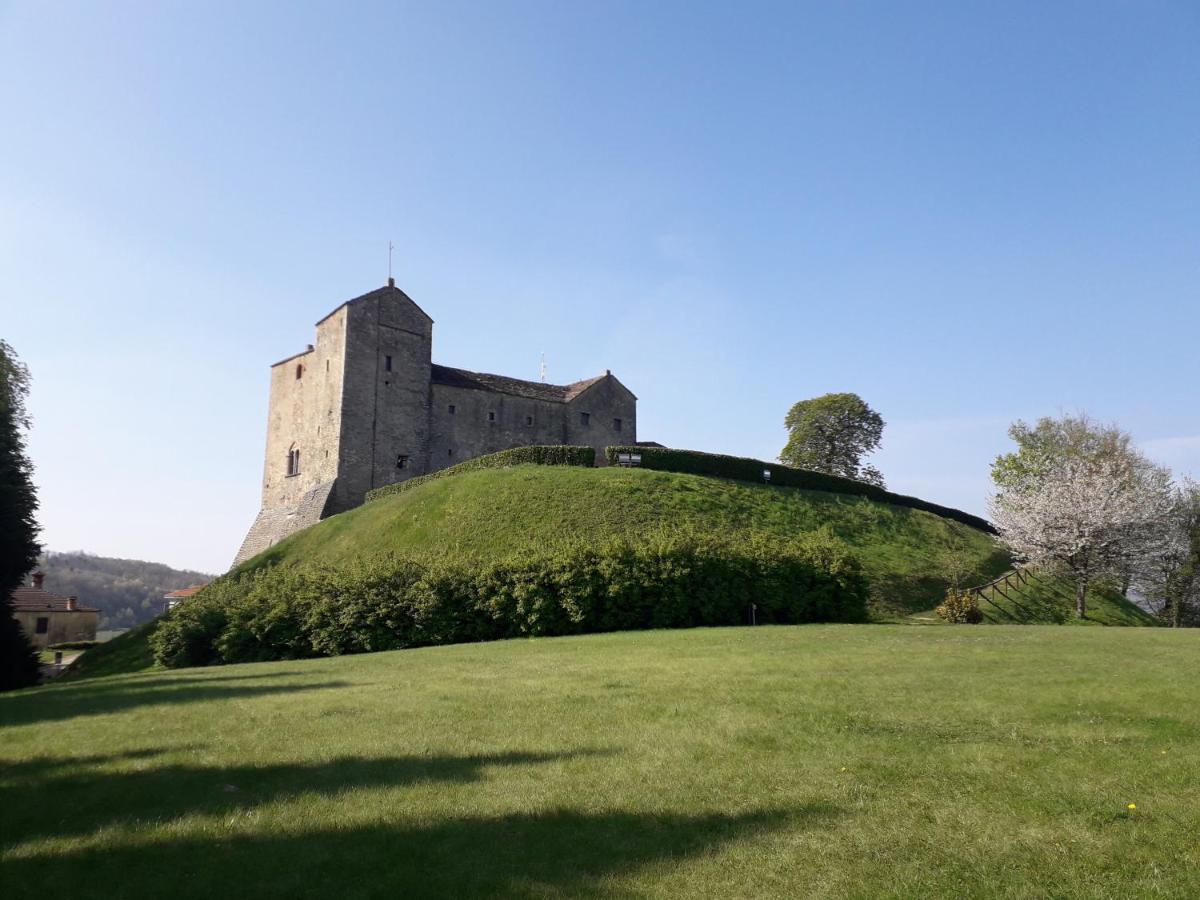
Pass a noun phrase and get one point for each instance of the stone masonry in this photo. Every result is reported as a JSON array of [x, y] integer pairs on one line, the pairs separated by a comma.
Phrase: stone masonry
[[365, 406]]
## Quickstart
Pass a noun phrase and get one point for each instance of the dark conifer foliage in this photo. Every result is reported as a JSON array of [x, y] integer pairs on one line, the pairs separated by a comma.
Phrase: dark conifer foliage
[[18, 527]]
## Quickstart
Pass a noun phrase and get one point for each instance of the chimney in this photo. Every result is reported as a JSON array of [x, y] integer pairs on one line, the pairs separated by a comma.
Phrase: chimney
[[391, 281], [72, 604], [38, 577]]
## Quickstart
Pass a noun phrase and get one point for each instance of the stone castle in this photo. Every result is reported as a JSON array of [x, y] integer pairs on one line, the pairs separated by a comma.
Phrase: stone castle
[[365, 407]]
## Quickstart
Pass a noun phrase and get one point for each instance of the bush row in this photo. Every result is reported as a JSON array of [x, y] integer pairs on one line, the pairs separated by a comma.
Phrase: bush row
[[73, 645], [667, 581], [562, 455], [744, 469]]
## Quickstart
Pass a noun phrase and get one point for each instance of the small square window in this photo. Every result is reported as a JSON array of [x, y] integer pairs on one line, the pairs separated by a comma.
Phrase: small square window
[[387, 364], [616, 424], [450, 451], [585, 418], [402, 461], [529, 420], [491, 417], [43, 625], [450, 409]]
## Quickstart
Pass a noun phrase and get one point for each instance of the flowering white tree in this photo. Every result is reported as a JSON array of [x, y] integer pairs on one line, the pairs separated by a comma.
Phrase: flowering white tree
[[1166, 573], [1083, 513]]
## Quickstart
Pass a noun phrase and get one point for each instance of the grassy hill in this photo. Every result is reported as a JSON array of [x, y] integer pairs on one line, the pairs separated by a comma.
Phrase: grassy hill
[[907, 553], [496, 512], [492, 513], [831, 761]]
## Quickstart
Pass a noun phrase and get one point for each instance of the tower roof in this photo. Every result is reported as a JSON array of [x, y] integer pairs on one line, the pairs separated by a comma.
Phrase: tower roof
[[378, 293]]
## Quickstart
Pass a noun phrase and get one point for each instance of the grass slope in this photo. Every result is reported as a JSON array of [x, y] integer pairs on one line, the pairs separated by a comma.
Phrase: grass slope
[[502, 511], [830, 761], [128, 652], [1045, 599]]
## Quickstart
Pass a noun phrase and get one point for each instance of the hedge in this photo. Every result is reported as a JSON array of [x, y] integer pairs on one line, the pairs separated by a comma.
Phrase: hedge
[[670, 580], [742, 468], [560, 455]]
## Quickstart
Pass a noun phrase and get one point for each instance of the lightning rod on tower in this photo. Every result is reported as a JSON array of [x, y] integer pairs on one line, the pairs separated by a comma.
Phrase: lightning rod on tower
[[542, 369]]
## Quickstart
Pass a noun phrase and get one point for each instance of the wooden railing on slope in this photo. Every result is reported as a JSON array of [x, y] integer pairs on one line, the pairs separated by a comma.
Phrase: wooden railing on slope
[[1007, 585]]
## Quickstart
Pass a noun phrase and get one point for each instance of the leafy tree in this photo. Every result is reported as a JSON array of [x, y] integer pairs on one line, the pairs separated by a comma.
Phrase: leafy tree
[[18, 528], [1051, 440], [1075, 497], [832, 434]]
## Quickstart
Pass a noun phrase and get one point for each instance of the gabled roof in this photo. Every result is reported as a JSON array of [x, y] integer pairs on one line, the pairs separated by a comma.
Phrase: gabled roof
[[389, 288], [516, 387], [30, 599]]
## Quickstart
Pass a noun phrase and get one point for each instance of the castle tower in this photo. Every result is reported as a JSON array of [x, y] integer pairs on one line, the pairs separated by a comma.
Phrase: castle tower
[[348, 414], [365, 407], [385, 395]]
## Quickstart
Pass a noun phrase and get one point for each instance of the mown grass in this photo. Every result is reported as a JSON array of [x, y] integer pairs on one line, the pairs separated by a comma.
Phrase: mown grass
[[498, 512], [814, 761]]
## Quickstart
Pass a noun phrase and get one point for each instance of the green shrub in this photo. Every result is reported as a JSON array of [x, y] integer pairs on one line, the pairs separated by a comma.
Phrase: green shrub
[[672, 580], [961, 608], [741, 468], [186, 636], [558, 455]]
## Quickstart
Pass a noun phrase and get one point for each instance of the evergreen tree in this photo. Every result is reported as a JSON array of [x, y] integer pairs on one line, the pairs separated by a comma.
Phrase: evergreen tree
[[18, 528]]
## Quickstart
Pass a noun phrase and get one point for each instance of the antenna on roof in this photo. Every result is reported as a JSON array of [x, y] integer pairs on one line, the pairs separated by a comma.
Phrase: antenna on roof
[[542, 369], [391, 280]]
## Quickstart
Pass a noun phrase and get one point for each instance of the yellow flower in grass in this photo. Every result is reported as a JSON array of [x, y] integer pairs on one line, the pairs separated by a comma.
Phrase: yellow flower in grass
[[1131, 806]]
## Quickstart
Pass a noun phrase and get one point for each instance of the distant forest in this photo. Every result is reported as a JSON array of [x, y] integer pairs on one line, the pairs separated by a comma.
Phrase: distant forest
[[127, 592]]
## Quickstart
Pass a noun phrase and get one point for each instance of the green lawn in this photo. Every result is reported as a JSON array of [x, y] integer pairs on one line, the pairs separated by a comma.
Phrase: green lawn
[[813, 761]]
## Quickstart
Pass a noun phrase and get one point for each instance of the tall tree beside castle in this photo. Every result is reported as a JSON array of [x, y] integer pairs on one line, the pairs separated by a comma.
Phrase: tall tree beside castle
[[832, 434], [18, 528]]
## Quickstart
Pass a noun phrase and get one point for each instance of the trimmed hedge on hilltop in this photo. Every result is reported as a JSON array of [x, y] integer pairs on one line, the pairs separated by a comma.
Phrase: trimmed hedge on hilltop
[[558, 455], [741, 468], [670, 581]]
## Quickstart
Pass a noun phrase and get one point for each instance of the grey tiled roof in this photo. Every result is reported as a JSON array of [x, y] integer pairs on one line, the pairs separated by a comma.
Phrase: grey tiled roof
[[516, 387]]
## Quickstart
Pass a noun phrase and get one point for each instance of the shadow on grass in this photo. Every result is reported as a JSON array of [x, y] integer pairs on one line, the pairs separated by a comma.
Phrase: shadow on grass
[[93, 698], [553, 853], [64, 796]]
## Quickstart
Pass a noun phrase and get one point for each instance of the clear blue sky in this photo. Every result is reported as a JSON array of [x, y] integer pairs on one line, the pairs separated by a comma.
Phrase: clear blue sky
[[967, 213]]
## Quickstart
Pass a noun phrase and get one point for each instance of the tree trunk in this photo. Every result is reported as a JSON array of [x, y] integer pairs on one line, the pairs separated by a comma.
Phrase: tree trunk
[[1176, 609], [1081, 587]]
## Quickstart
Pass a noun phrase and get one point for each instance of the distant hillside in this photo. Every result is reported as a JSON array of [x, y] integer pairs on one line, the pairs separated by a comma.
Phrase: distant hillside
[[127, 592]]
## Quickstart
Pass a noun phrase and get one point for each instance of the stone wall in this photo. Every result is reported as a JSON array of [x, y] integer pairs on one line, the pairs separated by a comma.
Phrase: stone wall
[[304, 414], [484, 422], [274, 523], [602, 415]]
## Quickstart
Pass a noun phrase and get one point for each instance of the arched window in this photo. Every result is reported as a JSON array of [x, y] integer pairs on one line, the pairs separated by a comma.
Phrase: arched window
[[293, 461]]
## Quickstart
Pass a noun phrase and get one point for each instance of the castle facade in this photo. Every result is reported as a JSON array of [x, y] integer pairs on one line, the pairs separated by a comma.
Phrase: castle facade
[[365, 406]]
